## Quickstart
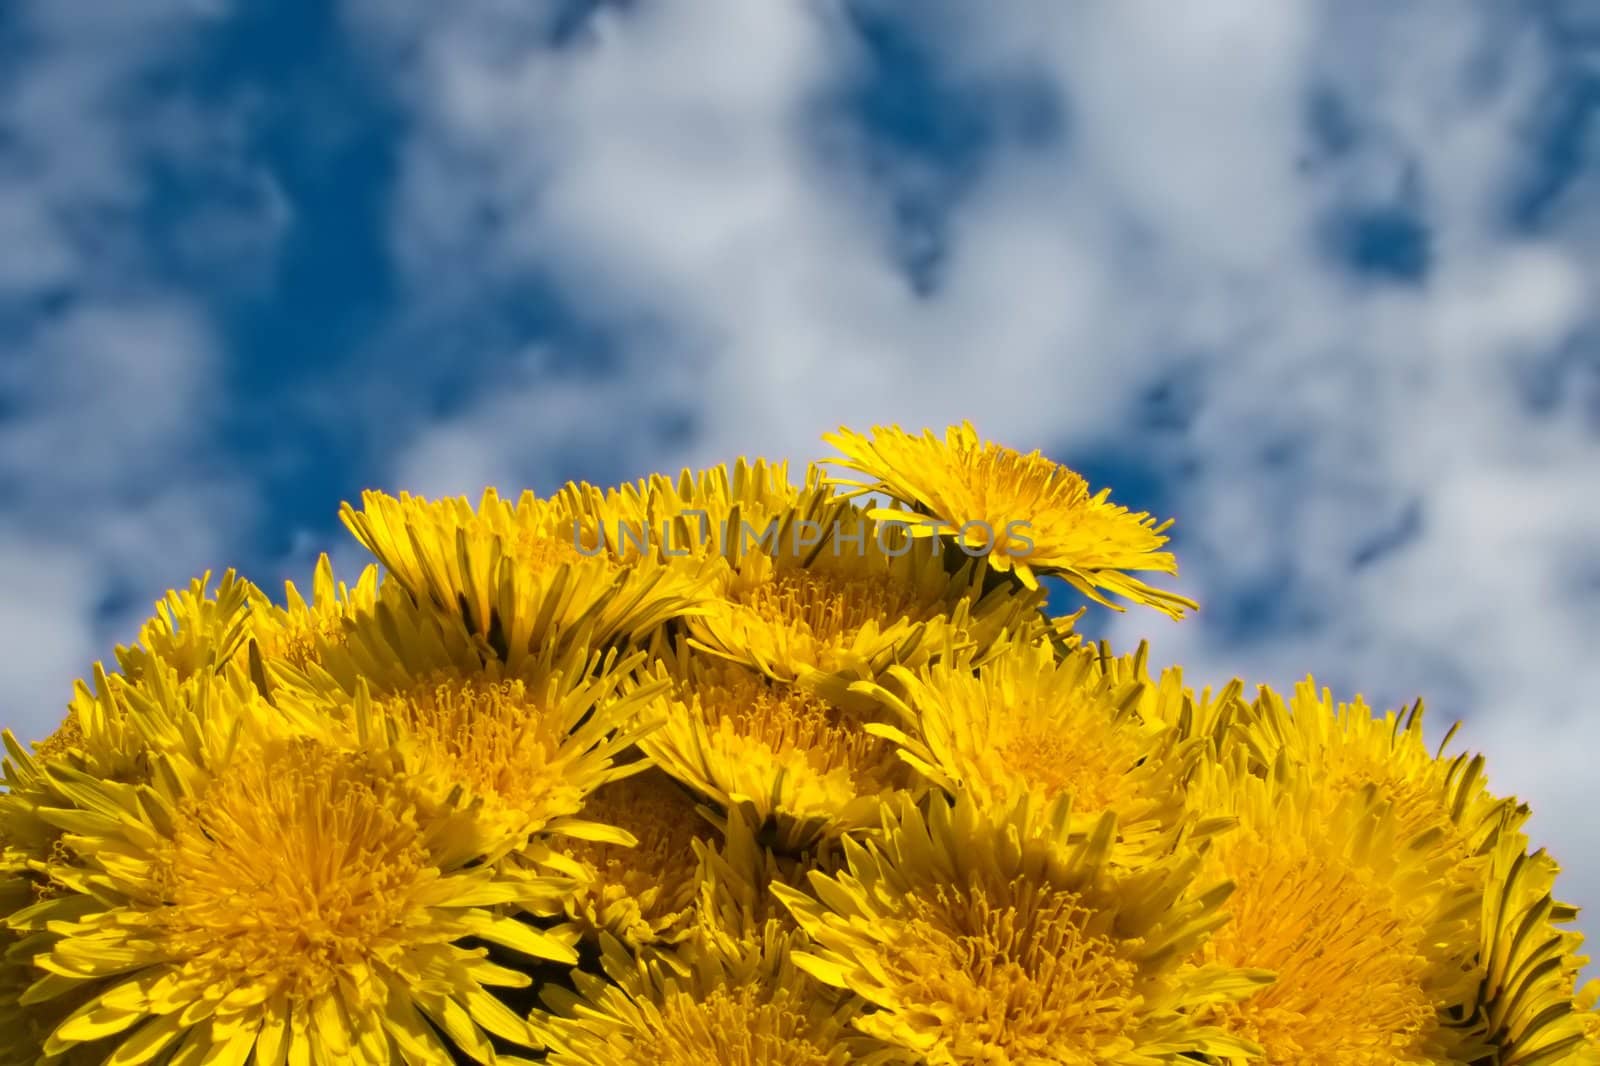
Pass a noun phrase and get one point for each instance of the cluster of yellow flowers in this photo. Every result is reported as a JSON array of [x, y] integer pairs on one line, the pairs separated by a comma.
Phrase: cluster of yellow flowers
[[738, 770]]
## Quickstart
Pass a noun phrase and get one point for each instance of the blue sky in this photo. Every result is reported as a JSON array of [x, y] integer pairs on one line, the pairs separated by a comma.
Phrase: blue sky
[[1316, 279]]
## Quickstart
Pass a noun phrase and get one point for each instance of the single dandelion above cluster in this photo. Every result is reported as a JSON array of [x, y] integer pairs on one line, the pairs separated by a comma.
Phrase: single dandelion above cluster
[[745, 768]]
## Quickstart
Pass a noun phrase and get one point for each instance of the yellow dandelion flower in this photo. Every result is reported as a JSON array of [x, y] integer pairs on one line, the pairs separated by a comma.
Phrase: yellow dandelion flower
[[93, 739], [115, 731], [112, 732], [269, 899], [527, 745], [1026, 723], [1530, 964], [1369, 944], [1344, 748], [708, 1010], [1212, 717], [118, 734], [416, 539], [111, 729], [701, 514], [644, 892], [784, 753], [192, 630], [515, 573], [295, 631], [510, 745], [94, 736], [1026, 513], [860, 599], [736, 875], [992, 937]]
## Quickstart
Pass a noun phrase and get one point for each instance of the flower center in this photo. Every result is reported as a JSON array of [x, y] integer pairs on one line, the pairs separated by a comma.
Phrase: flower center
[[1022, 975], [662, 870], [1416, 801], [1054, 753], [743, 1026], [1002, 485], [1350, 983], [826, 607], [540, 552], [792, 719], [494, 738], [292, 871]]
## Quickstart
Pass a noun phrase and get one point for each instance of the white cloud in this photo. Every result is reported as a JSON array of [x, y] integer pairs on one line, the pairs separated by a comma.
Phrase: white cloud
[[48, 591], [664, 166], [110, 381]]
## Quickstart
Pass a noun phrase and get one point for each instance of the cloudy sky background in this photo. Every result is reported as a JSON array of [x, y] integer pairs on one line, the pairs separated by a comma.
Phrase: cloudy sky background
[[1319, 280]]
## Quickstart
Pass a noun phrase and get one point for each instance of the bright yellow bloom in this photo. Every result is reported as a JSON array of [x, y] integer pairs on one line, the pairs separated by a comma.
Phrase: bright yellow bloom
[[1530, 965], [296, 631], [736, 876], [1026, 723], [113, 728], [116, 732], [860, 599], [1211, 717], [516, 574], [738, 768], [192, 630], [1024, 512], [267, 898], [94, 736], [1437, 801], [782, 752], [991, 937], [526, 745], [1370, 945], [100, 738], [752, 1008], [710, 513], [643, 892]]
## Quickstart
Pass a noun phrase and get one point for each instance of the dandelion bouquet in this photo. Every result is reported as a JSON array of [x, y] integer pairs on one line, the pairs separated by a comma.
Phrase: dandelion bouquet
[[746, 769]]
